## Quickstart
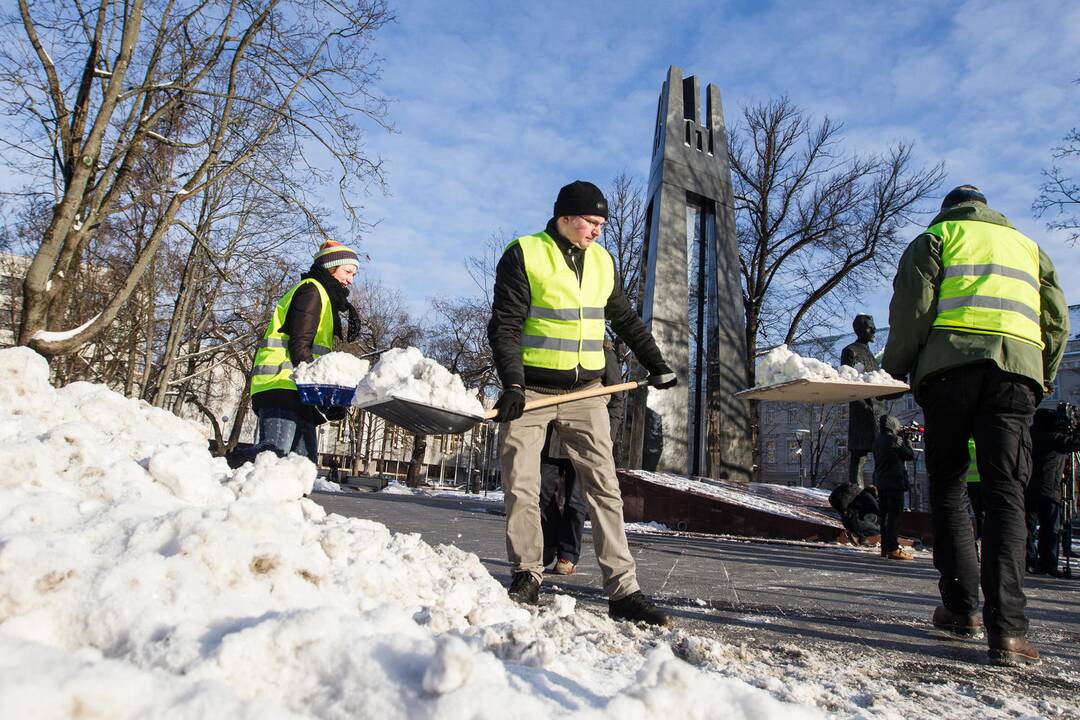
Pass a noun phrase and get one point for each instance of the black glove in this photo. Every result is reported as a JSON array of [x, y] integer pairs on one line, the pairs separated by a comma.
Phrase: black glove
[[354, 326], [511, 404], [663, 377], [334, 412]]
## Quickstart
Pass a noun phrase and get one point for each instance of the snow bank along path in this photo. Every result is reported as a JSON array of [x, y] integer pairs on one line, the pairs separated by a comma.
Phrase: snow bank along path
[[140, 578]]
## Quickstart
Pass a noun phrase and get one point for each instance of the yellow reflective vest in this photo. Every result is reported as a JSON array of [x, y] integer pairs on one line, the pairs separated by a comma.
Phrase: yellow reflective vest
[[565, 324], [272, 369], [972, 474], [990, 282]]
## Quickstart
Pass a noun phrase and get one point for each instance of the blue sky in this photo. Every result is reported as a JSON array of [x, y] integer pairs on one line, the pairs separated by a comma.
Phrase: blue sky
[[496, 105]]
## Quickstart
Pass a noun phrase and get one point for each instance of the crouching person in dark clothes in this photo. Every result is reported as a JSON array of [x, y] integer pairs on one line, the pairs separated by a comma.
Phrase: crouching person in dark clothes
[[891, 453], [858, 511]]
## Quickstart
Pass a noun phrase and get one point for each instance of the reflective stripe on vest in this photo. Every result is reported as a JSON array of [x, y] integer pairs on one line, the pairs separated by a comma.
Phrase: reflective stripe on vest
[[565, 324], [272, 369], [990, 283]]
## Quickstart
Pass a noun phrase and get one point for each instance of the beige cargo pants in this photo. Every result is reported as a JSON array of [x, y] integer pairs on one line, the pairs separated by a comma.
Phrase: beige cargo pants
[[586, 439]]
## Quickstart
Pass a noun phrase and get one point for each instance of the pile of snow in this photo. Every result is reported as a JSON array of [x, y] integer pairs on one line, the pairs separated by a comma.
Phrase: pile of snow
[[336, 368], [782, 365], [407, 374], [140, 577]]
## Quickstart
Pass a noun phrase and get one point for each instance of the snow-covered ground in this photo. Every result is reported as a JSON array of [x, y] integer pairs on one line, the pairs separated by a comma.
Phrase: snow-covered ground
[[141, 578]]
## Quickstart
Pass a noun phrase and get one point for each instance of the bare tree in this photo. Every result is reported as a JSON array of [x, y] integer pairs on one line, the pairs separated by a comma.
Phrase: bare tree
[[203, 85], [817, 226], [458, 340], [1059, 193]]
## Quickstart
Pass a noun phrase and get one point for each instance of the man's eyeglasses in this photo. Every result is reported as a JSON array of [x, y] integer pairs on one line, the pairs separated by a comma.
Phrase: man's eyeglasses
[[597, 224]]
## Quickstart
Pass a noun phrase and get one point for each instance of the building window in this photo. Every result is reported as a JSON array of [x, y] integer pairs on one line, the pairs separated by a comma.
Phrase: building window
[[793, 452], [770, 452]]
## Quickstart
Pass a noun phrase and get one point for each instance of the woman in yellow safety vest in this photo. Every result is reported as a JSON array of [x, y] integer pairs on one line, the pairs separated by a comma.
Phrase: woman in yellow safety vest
[[303, 326]]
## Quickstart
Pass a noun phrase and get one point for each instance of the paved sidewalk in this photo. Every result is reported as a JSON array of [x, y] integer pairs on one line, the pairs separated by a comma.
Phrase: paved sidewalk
[[788, 602]]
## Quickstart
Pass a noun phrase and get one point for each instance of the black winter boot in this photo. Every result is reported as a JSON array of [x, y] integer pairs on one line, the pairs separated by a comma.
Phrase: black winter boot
[[525, 589], [635, 607], [1012, 650], [955, 626]]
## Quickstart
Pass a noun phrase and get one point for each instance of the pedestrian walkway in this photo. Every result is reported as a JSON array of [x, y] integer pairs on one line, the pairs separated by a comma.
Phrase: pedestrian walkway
[[798, 604]]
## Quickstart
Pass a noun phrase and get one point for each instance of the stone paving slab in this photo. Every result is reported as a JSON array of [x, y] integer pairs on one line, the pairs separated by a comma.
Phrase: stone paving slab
[[783, 599]]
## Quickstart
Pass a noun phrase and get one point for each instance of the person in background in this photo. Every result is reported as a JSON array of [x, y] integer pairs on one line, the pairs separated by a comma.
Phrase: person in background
[[892, 452], [301, 328], [563, 514], [1051, 444], [858, 511], [979, 322]]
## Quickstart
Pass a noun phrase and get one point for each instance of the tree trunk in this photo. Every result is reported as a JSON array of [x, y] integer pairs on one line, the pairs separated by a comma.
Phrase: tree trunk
[[178, 323], [416, 462]]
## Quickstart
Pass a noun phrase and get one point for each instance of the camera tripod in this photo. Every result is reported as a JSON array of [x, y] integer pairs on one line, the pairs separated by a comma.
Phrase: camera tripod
[[1068, 511]]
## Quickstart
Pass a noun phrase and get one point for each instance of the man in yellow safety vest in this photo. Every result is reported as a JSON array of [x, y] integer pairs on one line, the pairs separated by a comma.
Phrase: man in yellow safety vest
[[979, 322], [554, 291]]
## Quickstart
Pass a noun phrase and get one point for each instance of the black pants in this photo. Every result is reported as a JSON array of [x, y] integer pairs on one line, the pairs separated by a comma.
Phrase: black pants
[[561, 519], [890, 505], [974, 491], [995, 408], [1043, 513]]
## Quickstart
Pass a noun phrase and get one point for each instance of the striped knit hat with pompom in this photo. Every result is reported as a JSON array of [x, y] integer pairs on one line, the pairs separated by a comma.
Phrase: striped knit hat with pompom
[[333, 254]]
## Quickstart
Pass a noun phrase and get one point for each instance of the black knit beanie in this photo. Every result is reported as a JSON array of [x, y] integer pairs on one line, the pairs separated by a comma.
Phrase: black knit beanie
[[580, 198], [963, 193]]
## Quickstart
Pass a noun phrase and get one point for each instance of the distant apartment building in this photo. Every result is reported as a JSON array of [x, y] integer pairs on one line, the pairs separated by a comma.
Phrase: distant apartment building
[[12, 271]]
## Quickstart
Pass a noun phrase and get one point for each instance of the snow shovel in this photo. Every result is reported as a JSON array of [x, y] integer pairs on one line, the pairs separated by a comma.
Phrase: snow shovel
[[421, 419]]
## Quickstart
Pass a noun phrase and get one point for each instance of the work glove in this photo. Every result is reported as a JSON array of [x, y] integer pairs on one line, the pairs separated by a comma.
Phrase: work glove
[[511, 404], [333, 412], [663, 377], [352, 332]]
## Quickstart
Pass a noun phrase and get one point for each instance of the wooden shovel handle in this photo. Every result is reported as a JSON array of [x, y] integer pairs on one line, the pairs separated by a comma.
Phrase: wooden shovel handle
[[598, 391]]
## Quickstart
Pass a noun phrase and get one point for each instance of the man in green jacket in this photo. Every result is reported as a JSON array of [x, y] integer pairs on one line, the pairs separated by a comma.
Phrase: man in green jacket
[[979, 323]]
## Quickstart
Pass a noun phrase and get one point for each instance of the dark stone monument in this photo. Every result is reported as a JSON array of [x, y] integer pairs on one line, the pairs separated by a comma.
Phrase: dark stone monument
[[862, 414], [692, 300]]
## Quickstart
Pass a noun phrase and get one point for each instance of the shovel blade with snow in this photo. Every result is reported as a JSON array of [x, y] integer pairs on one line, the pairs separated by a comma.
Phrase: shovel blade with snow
[[421, 419], [821, 391]]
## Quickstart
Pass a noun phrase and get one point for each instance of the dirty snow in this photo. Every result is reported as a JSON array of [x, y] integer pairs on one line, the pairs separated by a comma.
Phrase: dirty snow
[[782, 365], [141, 578], [406, 373], [335, 368]]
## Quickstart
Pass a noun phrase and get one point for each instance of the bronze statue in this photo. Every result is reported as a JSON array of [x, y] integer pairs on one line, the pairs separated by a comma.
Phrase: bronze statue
[[862, 414]]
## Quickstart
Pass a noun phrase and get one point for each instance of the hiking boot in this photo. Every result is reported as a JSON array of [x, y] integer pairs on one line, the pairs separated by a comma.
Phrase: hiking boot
[[564, 567], [1012, 650], [524, 589], [899, 554], [956, 626], [637, 608]]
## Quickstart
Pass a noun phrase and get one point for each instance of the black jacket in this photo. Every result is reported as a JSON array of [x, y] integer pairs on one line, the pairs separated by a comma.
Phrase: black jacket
[[301, 324], [1051, 443], [890, 453], [510, 307]]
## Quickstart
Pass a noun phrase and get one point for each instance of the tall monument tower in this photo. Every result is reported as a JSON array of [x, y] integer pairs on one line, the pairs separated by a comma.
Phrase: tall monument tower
[[692, 300]]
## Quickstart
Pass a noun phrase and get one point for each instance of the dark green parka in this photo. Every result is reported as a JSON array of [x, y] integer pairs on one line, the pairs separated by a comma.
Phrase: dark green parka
[[915, 349]]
